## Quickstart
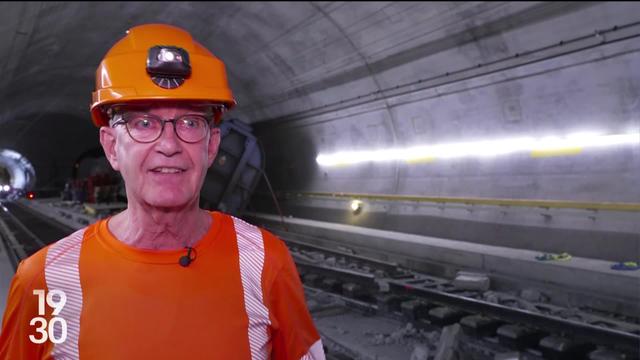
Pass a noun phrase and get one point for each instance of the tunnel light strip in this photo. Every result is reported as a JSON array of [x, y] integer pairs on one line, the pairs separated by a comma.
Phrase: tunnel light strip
[[546, 146]]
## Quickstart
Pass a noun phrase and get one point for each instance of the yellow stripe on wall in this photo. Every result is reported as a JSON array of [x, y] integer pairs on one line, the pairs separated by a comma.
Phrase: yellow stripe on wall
[[425, 159], [556, 152]]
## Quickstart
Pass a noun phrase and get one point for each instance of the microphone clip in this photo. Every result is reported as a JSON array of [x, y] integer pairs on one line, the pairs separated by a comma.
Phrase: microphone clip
[[185, 260]]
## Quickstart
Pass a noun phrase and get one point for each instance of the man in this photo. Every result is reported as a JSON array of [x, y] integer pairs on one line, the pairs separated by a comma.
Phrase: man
[[163, 279]]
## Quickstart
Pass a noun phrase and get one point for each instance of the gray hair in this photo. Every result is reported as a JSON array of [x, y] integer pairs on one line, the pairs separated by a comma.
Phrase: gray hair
[[113, 117]]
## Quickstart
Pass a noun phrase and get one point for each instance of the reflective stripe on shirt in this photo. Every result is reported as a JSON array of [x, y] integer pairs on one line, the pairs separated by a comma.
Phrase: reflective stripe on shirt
[[316, 352], [61, 273], [251, 252]]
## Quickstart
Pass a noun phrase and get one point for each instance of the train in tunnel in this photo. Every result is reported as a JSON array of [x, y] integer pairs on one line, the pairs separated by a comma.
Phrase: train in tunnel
[[320, 180]]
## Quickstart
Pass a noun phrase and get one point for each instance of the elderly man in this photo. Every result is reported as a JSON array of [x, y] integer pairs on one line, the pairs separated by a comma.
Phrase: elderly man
[[163, 279]]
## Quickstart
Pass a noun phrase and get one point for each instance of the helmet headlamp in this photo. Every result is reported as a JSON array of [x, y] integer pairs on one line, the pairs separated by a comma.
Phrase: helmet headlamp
[[168, 66]]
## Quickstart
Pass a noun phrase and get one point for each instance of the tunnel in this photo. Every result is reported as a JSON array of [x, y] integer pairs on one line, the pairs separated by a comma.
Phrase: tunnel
[[17, 175], [320, 180]]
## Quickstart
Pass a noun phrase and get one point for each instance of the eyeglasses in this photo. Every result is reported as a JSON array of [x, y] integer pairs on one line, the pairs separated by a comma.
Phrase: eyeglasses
[[147, 128]]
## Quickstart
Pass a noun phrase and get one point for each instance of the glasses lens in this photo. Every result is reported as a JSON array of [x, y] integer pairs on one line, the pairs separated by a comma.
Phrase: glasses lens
[[191, 128], [143, 127]]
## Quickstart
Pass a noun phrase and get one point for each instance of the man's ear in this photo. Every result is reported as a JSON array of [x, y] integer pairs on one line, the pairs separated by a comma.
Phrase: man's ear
[[108, 142], [214, 144]]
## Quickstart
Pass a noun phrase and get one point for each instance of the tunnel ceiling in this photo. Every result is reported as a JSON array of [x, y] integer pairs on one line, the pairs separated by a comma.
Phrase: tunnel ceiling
[[282, 58], [278, 54]]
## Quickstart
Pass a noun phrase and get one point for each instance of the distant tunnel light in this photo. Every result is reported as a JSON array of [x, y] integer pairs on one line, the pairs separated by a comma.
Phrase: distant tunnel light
[[356, 206], [546, 146]]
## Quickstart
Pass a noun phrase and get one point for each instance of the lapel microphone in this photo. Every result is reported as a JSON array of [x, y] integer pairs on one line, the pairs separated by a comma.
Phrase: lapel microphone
[[185, 260]]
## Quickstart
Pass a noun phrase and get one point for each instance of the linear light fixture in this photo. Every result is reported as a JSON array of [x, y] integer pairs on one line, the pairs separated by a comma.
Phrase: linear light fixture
[[545, 146]]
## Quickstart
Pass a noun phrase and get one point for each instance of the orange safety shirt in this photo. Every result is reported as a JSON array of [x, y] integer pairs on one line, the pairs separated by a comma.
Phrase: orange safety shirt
[[94, 297]]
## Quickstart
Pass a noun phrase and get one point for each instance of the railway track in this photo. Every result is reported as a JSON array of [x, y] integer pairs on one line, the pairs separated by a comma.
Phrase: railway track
[[24, 232], [492, 322]]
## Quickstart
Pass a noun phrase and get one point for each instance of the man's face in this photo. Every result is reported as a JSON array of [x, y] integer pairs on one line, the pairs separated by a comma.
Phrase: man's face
[[166, 173]]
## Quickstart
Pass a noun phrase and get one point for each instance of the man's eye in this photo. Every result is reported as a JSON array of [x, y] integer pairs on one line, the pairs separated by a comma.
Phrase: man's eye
[[142, 123], [191, 123]]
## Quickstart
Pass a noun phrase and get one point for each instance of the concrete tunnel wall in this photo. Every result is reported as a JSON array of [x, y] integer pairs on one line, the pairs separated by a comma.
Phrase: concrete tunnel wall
[[558, 103], [593, 86], [595, 89]]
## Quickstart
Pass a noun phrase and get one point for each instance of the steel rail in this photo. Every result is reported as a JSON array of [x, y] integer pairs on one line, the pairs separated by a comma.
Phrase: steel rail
[[596, 334], [627, 341], [390, 267]]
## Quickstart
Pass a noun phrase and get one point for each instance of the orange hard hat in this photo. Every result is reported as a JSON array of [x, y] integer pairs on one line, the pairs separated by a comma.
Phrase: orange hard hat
[[157, 62]]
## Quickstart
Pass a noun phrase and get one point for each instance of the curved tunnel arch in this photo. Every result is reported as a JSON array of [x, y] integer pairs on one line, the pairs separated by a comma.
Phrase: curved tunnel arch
[[22, 175]]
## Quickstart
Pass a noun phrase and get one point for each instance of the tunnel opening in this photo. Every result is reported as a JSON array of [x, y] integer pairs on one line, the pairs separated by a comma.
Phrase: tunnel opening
[[17, 175]]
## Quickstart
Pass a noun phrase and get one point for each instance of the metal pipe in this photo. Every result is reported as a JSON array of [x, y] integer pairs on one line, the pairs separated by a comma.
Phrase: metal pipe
[[558, 204]]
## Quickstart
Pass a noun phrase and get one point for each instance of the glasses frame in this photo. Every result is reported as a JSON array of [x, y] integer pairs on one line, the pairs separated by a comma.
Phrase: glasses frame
[[163, 122]]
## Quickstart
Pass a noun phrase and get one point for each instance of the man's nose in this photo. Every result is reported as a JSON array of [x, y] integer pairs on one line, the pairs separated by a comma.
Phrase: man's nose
[[169, 143]]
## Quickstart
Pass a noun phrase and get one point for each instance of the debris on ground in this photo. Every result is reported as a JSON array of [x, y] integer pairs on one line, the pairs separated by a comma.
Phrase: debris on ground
[[406, 335], [420, 352], [471, 281], [448, 345]]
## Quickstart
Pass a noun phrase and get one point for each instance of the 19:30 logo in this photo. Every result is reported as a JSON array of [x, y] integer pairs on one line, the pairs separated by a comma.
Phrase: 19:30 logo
[[49, 331]]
